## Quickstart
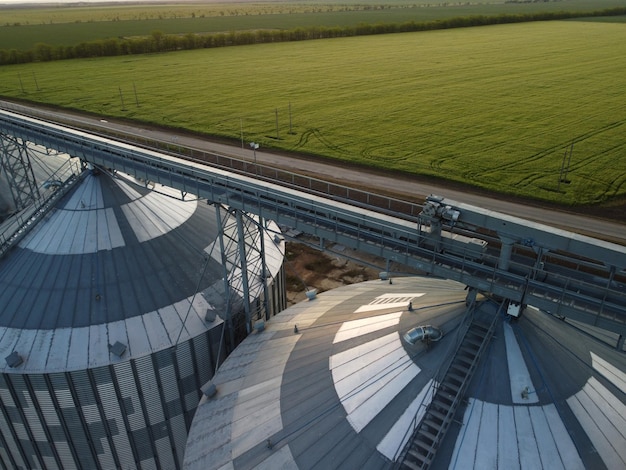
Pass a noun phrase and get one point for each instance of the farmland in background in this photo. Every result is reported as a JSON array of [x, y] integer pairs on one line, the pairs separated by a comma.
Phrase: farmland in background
[[67, 25], [498, 107]]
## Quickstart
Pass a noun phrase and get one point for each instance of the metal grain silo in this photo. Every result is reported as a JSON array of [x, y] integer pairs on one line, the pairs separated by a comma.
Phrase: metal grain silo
[[114, 314]]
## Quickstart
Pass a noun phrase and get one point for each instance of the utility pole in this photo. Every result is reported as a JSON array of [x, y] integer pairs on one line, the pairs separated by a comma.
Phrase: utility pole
[[565, 167], [136, 99], [254, 146], [121, 98], [241, 127]]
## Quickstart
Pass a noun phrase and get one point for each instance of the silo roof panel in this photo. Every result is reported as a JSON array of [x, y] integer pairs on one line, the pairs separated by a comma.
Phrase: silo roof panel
[[111, 250]]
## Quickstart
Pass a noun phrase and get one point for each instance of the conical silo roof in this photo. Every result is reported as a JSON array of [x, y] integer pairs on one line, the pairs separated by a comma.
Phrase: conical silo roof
[[332, 383], [114, 261]]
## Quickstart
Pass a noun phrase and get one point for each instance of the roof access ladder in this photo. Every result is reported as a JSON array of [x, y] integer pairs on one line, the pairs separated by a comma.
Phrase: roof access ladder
[[429, 433]]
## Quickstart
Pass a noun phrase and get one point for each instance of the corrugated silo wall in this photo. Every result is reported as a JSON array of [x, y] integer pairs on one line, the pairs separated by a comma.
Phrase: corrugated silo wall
[[133, 414], [278, 293], [276, 303]]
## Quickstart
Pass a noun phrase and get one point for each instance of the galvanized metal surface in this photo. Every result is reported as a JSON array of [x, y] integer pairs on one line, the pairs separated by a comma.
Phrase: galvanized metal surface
[[584, 290]]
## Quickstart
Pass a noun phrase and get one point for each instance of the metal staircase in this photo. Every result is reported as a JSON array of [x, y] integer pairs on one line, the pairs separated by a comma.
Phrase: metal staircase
[[423, 445]]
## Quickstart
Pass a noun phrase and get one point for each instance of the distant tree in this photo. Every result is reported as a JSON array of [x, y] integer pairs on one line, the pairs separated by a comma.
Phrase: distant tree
[[219, 40], [80, 50], [111, 47], [93, 49], [190, 41], [157, 40], [43, 52], [170, 42], [122, 47], [139, 46], [65, 52]]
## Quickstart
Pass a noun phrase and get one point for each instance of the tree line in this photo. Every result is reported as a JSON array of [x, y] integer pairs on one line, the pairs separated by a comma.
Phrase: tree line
[[160, 42]]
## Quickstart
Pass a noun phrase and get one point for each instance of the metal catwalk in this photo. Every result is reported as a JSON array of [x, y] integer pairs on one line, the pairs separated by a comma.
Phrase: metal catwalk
[[560, 272]]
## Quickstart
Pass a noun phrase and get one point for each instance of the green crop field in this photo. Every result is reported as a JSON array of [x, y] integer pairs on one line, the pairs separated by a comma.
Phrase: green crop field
[[23, 28], [81, 12], [496, 107]]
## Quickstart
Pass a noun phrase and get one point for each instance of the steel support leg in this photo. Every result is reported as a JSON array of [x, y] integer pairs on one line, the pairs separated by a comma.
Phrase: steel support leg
[[18, 170], [243, 260]]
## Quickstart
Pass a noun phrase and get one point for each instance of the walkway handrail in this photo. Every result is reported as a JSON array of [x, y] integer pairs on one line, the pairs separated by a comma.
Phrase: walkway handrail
[[564, 290]]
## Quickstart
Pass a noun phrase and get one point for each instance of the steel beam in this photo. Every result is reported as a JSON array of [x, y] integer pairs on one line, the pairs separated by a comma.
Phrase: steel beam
[[574, 280]]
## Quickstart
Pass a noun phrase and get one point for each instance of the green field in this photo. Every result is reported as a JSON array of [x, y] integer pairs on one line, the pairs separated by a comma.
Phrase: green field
[[77, 12], [495, 107], [23, 28]]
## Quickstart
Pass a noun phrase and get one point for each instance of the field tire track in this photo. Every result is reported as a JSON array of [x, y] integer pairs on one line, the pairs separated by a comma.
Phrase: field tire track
[[543, 153], [562, 145], [314, 133]]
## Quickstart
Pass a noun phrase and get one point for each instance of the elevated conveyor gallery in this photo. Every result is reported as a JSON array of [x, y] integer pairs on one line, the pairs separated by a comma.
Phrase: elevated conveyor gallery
[[560, 272]]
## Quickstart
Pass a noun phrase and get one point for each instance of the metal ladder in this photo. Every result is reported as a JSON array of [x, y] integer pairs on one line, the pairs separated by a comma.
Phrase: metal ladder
[[431, 430]]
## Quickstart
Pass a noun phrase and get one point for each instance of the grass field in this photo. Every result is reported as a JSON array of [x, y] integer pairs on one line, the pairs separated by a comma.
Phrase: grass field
[[496, 107], [81, 12], [23, 28]]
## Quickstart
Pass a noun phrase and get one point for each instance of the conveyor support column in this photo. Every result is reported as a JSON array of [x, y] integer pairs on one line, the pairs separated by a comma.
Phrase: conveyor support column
[[505, 252]]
